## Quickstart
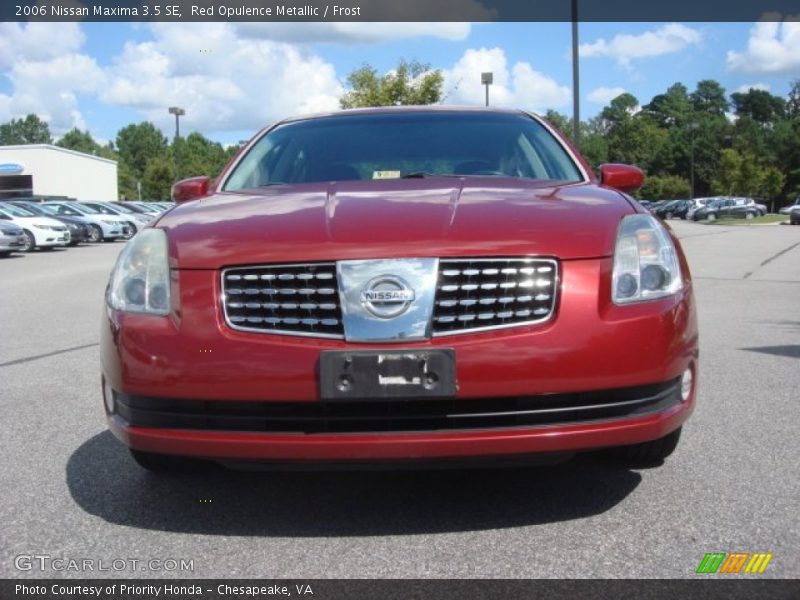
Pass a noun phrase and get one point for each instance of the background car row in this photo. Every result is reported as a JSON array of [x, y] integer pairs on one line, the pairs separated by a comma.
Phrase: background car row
[[29, 223], [710, 209]]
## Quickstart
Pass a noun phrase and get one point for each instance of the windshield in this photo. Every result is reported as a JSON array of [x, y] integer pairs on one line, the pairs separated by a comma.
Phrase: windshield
[[400, 144], [16, 211], [103, 209], [73, 209], [30, 207]]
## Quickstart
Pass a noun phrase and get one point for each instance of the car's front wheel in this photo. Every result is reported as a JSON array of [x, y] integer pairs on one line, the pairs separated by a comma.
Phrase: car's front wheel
[[164, 463], [95, 233], [30, 242], [130, 231], [650, 453]]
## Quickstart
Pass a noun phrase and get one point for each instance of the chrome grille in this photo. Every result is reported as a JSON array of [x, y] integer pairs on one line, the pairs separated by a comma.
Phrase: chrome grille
[[297, 299], [477, 294]]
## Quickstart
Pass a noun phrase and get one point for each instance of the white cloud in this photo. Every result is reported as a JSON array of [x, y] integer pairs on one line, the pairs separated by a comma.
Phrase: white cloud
[[223, 81], [349, 32], [743, 89], [46, 71], [604, 95], [625, 48], [519, 86], [773, 47], [34, 42]]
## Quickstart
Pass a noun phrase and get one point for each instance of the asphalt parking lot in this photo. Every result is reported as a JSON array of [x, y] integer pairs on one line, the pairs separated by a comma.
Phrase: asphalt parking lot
[[70, 490]]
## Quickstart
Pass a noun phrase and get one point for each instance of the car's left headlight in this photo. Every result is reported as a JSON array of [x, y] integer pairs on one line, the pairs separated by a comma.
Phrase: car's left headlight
[[140, 280], [646, 264]]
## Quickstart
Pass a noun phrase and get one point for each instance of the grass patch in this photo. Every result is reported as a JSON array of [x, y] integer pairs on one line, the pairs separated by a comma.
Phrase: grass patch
[[765, 220]]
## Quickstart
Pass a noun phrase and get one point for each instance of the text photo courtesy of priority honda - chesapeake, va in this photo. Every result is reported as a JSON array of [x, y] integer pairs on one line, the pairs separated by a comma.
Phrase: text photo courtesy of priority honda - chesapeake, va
[[473, 299]]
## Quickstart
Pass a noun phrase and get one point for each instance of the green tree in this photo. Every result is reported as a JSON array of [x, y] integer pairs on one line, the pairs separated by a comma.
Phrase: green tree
[[81, 141], [727, 178], [158, 177], [30, 130], [137, 144], [759, 105], [793, 101], [665, 187], [772, 185], [673, 108], [709, 98], [200, 156], [410, 83]]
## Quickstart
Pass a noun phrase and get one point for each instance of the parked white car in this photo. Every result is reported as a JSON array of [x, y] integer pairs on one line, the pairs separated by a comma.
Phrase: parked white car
[[102, 228], [40, 232], [135, 221]]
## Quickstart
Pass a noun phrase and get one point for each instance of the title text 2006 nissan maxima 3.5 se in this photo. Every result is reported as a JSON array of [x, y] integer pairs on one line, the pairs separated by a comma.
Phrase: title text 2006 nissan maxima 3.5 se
[[400, 284]]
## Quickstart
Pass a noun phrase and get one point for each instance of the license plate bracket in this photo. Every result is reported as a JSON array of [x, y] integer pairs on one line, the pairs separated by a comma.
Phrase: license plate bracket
[[387, 374]]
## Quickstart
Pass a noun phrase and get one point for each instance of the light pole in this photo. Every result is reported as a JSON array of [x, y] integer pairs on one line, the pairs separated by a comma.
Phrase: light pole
[[178, 112], [487, 79], [576, 104]]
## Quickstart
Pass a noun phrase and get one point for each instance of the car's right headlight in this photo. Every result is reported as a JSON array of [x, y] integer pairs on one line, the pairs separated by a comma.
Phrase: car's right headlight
[[108, 221], [140, 280], [646, 264]]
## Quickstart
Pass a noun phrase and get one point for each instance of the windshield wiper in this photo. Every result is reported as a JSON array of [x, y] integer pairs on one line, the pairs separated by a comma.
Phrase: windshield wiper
[[424, 174]]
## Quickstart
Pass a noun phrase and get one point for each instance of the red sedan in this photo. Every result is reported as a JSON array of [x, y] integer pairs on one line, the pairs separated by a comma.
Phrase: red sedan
[[401, 284]]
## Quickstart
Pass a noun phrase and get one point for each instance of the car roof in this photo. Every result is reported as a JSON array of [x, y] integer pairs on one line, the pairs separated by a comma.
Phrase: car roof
[[427, 108]]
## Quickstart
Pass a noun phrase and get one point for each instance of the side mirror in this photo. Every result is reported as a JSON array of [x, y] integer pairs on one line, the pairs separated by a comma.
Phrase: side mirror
[[191, 189], [625, 178]]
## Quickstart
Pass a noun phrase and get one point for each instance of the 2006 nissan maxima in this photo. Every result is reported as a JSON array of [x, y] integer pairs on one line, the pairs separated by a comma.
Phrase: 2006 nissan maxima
[[401, 284]]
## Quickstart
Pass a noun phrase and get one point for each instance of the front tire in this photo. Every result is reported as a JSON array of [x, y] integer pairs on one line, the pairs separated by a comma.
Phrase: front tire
[[95, 234], [30, 242], [647, 454], [131, 231], [164, 463]]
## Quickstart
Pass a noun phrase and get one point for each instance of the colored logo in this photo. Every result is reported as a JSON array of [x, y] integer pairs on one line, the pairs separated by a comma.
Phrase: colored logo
[[734, 562], [10, 168]]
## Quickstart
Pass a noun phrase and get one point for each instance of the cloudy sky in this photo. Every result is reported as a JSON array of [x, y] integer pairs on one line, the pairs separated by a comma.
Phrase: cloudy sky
[[235, 78]]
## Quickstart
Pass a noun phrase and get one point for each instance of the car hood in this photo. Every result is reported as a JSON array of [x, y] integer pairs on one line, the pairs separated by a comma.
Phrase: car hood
[[399, 218], [39, 221]]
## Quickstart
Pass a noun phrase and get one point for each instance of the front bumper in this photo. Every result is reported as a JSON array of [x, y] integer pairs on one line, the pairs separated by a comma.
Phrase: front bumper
[[11, 243], [591, 349], [51, 238]]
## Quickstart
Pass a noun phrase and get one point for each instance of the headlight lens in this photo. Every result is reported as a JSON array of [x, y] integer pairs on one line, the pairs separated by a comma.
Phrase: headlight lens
[[140, 280], [645, 262], [108, 221], [43, 227]]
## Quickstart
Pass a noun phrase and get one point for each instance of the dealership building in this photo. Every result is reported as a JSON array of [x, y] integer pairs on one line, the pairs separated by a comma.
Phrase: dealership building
[[46, 170]]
